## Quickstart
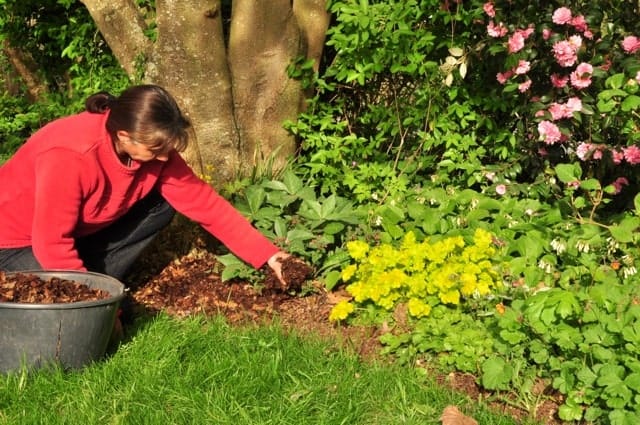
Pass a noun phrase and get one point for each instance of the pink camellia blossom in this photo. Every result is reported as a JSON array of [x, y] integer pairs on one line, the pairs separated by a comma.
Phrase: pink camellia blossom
[[574, 104], [574, 184], [631, 44], [632, 154], [617, 156], [619, 183], [588, 34], [546, 34], [597, 154], [561, 16], [559, 111], [523, 87], [503, 77], [559, 81], [576, 41], [497, 31], [523, 67], [579, 23], [583, 150], [638, 76], [488, 9], [565, 53], [581, 77], [549, 132], [539, 113], [515, 43], [501, 189]]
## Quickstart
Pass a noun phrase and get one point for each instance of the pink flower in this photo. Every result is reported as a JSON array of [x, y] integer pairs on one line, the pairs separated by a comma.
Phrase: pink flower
[[559, 111], [501, 189], [523, 67], [579, 23], [583, 150], [515, 43], [561, 16], [588, 34], [597, 154], [559, 81], [546, 34], [574, 184], [631, 44], [566, 53], [488, 9], [581, 77], [632, 154], [503, 77], [496, 31], [617, 156], [574, 104], [549, 132], [619, 183], [523, 87]]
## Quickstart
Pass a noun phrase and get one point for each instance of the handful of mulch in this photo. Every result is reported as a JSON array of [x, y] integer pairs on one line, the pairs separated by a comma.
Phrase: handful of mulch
[[294, 272], [30, 289]]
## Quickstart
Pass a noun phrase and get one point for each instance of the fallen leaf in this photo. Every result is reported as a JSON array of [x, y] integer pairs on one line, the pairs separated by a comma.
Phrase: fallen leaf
[[451, 415]]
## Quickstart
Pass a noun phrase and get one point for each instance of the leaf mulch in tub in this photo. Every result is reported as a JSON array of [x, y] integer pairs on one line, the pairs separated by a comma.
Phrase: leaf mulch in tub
[[28, 288]]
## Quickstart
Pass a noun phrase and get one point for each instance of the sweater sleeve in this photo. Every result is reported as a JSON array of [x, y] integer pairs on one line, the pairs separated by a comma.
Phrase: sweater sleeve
[[58, 196], [197, 200]]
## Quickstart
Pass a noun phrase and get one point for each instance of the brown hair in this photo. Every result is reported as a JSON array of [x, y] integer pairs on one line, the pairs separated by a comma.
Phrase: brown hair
[[147, 112]]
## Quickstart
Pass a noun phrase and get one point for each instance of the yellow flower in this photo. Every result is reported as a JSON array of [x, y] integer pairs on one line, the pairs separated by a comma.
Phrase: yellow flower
[[418, 308], [348, 272], [357, 249], [451, 297], [341, 311]]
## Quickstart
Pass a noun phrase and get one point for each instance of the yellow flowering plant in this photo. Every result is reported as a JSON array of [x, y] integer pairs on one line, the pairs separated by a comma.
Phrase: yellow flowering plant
[[419, 275]]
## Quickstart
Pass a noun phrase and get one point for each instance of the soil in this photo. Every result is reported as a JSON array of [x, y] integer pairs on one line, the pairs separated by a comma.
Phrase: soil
[[31, 289]]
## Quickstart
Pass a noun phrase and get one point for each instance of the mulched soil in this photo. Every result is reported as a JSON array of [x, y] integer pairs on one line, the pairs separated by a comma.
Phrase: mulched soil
[[31, 289]]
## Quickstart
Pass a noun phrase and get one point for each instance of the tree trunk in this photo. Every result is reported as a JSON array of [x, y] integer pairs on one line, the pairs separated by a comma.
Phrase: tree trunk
[[26, 69], [236, 92]]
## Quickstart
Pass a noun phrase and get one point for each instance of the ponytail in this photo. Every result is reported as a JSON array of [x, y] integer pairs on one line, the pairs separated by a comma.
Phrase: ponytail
[[99, 103]]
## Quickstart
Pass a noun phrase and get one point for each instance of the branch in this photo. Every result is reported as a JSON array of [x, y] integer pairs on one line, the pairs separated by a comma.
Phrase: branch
[[122, 26]]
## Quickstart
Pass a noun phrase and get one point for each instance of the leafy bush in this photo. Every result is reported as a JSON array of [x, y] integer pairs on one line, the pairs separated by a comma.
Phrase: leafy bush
[[392, 110]]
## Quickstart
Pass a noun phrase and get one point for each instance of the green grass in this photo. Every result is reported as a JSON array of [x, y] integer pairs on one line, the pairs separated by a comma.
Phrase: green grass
[[203, 371]]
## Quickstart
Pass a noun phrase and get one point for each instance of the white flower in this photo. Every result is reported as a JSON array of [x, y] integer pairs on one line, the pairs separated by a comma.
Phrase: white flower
[[545, 265], [378, 221], [559, 246], [629, 271], [583, 246]]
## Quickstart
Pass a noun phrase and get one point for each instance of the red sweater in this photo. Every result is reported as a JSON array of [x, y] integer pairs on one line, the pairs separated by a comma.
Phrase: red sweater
[[66, 181]]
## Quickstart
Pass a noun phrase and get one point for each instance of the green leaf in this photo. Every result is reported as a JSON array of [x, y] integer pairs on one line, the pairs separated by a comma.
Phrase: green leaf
[[625, 230], [630, 103], [568, 173], [496, 374]]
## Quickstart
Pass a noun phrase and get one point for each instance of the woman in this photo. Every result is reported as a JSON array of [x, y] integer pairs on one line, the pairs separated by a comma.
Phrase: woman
[[90, 191]]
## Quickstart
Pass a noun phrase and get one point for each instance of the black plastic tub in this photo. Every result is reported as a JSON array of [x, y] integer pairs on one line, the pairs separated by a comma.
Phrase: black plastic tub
[[69, 334]]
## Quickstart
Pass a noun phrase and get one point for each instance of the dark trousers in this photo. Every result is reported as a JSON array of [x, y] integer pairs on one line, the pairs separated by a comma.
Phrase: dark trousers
[[112, 250]]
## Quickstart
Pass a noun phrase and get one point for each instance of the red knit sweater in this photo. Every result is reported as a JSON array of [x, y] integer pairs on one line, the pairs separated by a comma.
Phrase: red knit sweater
[[66, 181]]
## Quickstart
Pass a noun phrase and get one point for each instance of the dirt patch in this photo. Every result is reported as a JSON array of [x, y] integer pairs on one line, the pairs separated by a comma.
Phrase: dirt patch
[[30, 289]]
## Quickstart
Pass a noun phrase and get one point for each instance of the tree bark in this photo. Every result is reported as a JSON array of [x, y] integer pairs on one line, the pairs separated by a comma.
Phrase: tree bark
[[262, 43], [26, 70], [191, 61], [236, 92]]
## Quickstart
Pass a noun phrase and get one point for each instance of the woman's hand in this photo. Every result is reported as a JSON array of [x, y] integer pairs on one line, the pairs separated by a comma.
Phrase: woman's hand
[[298, 273], [275, 262]]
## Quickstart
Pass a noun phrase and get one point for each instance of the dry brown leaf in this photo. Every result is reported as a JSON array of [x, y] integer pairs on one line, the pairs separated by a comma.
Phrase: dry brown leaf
[[451, 415]]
